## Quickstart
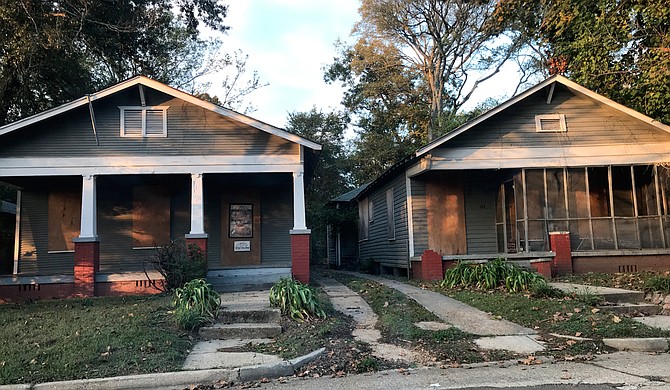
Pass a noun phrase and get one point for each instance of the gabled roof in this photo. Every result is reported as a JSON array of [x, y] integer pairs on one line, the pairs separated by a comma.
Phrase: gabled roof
[[554, 79], [143, 80]]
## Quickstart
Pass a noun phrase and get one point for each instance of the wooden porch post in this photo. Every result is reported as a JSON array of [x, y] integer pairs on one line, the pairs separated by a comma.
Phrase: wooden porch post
[[299, 234], [87, 245], [197, 235]]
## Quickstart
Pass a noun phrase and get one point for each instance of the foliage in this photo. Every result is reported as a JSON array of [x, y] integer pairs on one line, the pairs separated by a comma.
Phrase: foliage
[[66, 339], [178, 263], [659, 283], [296, 300], [53, 52], [544, 290], [330, 175], [196, 304], [491, 275], [616, 48]]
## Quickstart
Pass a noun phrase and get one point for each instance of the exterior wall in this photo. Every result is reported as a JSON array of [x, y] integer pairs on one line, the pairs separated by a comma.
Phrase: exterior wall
[[480, 217], [378, 247], [620, 263], [192, 130], [589, 124]]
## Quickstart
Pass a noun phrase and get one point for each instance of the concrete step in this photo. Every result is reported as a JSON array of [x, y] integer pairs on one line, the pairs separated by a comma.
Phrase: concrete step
[[633, 309], [247, 316], [246, 278], [240, 287], [221, 331], [617, 295]]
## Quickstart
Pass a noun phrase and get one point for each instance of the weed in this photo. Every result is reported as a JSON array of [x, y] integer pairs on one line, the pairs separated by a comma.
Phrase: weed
[[658, 283], [367, 364], [544, 290], [588, 297], [196, 304], [296, 300], [178, 263]]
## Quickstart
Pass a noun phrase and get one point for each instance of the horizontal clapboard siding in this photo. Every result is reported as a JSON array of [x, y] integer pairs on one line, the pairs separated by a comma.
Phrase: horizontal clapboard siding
[[419, 216], [192, 130], [480, 218], [378, 247], [588, 122]]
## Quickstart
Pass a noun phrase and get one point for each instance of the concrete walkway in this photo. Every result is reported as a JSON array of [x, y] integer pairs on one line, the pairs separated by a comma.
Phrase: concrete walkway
[[348, 302], [464, 317], [497, 334]]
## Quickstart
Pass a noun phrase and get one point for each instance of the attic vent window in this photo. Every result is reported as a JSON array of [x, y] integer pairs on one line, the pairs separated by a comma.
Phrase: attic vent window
[[144, 121], [553, 123]]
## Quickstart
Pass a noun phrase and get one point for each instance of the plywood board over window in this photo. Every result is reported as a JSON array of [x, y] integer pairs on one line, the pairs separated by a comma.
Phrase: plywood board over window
[[151, 216], [64, 219]]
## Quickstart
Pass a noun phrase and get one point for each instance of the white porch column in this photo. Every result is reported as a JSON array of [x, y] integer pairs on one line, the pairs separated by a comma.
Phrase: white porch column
[[89, 210], [197, 208], [299, 221]]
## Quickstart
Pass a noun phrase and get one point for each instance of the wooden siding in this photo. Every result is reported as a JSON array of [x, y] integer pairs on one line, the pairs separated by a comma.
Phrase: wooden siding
[[589, 123], [419, 216], [378, 247], [480, 217], [192, 130]]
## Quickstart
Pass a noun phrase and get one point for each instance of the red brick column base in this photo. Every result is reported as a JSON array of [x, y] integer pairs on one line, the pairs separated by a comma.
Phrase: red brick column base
[[300, 257], [431, 266], [542, 267], [560, 244], [86, 264], [199, 242]]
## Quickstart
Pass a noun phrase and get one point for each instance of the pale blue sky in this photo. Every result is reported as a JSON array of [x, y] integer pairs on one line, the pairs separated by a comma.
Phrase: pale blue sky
[[288, 43]]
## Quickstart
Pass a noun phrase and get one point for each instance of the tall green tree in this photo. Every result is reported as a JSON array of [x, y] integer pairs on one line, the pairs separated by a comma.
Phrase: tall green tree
[[619, 48], [331, 174], [54, 51]]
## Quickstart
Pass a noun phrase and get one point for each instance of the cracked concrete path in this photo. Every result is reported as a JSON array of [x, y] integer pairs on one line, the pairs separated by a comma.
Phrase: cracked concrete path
[[350, 303], [464, 317]]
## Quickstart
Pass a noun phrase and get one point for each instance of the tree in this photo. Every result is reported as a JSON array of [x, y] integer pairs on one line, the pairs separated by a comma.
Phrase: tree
[[619, 48], [454, 45], [330, 174], [55, 51]]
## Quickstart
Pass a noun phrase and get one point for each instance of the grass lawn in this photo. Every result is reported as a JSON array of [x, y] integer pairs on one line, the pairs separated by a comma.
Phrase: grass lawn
[[54, 340], [642, 281]]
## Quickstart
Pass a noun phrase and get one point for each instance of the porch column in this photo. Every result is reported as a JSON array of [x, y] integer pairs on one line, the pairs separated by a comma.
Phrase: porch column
[[87, 246], [197, 235], [299, 234]]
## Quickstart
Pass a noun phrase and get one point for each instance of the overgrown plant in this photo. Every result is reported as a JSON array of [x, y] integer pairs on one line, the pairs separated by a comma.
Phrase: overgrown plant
[[178, 263], [296, 300], [491, 275], [196, 304]]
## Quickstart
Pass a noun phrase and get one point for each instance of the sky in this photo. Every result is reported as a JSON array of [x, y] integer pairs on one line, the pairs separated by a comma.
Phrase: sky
[[289, 42]]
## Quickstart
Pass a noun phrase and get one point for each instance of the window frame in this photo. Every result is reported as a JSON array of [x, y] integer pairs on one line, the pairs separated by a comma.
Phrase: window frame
[[144, 110], [390, 214], [559, 117]]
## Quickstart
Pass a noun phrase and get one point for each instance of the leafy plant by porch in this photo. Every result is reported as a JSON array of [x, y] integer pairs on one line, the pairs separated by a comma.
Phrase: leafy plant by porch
[[296, 300], [196, 304], [491, 275], [89, 338], [178, 263]]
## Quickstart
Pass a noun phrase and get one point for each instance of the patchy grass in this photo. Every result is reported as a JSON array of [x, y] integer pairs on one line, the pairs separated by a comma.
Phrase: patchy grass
[[630, 281], [88, 338], [397, 316], [343, 354], [566, 316]]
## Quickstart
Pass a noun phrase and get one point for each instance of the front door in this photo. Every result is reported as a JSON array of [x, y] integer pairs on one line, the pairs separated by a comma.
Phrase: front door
[[241, 228]]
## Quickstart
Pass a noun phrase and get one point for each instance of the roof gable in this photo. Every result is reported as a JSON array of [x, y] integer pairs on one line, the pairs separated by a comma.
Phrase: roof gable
[[142, 80], [550, 84]]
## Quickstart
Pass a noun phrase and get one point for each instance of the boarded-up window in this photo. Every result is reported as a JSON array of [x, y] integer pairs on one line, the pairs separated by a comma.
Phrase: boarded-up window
[[151, 216], [363, 219], [390, 214], [64, 219]]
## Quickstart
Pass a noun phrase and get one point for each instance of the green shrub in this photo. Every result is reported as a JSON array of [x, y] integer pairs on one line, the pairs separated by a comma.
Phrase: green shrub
[[178, 263], [296, 300], [658, 283], [196, 304], [491, 275]]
